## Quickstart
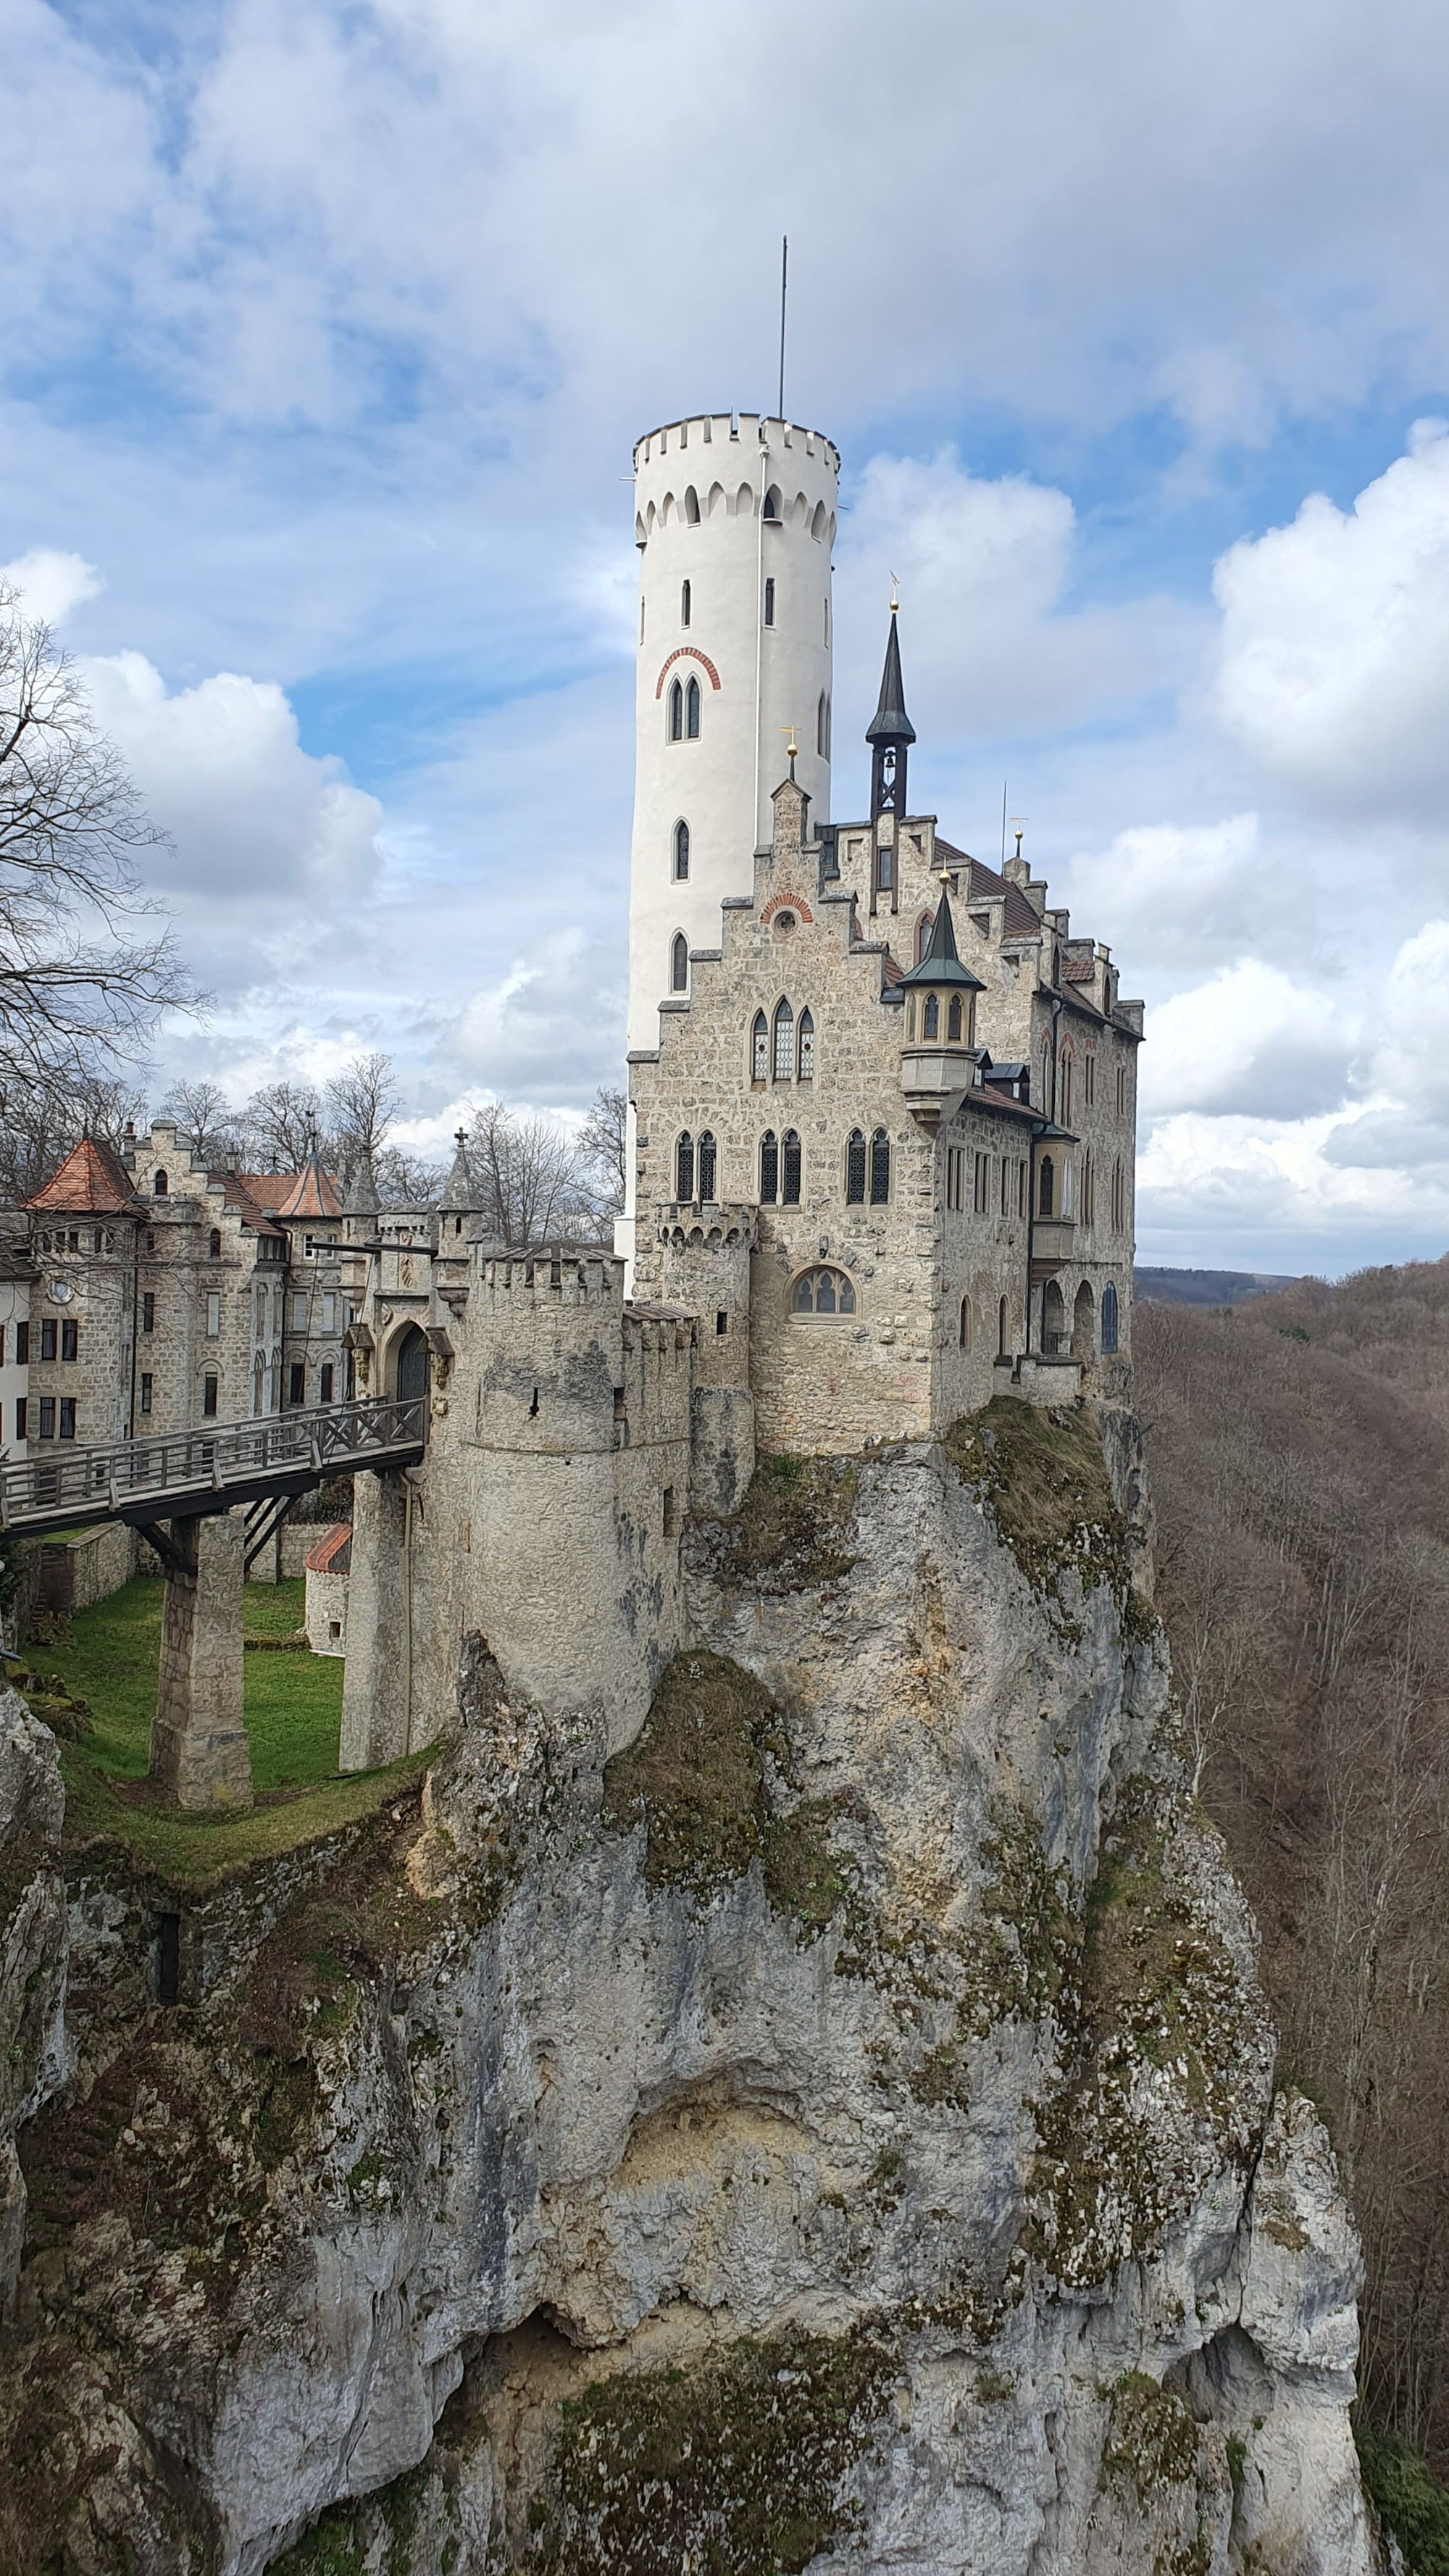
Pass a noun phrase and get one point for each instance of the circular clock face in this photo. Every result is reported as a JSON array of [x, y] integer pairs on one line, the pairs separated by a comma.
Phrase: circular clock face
[[61, 1292]]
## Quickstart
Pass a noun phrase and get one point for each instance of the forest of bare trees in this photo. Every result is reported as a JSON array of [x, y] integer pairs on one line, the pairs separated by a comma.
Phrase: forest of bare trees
[[1300, 1460]]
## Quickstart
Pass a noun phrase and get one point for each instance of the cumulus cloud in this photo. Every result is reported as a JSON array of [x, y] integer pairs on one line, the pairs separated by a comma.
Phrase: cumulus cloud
[[1248, 1039], [1174, 896], [1333, 669], [51, 583]]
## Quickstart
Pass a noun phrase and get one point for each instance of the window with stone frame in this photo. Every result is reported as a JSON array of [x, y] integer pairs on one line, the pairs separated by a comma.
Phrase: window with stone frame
[[790, 1169], [880, 1168], [769, 1168], [760, 1049], [691, 712], [676, 711], [823, 1293], [679, 963], [706, 1168], [684, 1167], [784, 1041], [67, 1417], [1109, 1320], [805, 1048], [1046, 1186]]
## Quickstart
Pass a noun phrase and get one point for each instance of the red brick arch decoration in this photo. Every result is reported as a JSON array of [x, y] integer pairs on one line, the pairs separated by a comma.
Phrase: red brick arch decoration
[[687, 652]]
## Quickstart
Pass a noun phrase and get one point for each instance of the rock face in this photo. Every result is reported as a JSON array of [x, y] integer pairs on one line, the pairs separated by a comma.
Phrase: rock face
[[836, 2132]]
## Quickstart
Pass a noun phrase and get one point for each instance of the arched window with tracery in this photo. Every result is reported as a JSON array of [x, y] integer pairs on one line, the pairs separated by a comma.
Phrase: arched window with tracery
[[1109, 1319], [1046, 1186], [784, 1041], [805, 1048], [676, 711], [880, 1168], [855, 1169], [790, 1169], [691, 711], [706, 1166], [681, 852], [823, 1291], [769, 1168], [679, 964], [684, 1167], [760, 1049]]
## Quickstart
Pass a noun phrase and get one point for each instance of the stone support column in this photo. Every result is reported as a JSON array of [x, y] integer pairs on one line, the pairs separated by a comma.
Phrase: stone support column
[[377, 1684], [199, 1750]]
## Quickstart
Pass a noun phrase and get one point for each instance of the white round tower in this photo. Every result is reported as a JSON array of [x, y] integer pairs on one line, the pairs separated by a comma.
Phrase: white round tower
[[734, 521]]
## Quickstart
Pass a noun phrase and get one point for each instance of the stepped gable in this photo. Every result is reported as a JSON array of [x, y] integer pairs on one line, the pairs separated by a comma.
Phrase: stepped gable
[[984, 885], [90, 1182]]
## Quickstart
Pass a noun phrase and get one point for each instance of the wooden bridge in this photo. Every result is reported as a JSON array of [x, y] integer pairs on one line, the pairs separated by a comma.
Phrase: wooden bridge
[[181, 1475]]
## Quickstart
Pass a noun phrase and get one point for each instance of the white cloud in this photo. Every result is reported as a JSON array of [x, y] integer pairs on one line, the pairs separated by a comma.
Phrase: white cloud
[[50, 583], [1250, 1039], [1170, 895], [1334, 662]]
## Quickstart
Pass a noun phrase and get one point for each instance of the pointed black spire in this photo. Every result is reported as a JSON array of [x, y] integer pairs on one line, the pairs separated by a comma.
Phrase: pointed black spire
[[889, 733], [890, 723], [940, 963]]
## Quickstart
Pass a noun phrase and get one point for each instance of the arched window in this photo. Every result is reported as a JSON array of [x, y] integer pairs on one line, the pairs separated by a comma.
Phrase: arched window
[[676, 712], [1064, 1090], [772, 502], [1084, 1323], [953, 1020], [823, 1291], [706, 1166], [769, 1168], [790, 1176], [923, 933], [930, 1017], [679, 964], [1119, 1199], [805, 1047], [684, 1167], [215, 1243], [822, 725], [784, 1042], [770, 599], [855, 1169], [691, 711], [760, 1049], [1046, 1079], [681, 852], [880, 1168], [1089, 1190], [684, 603], [158, 1186], [1003, 1332], [965, 1323], [1046, 1186], [1109, 1319], [691, 513]]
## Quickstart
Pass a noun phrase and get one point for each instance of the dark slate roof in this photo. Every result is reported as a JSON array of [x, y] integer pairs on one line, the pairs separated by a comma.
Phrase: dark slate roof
[[890, 723], [939, 962]]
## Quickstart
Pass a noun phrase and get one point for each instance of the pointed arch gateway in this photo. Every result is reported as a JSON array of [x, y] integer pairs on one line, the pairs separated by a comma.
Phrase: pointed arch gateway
[[410, 1367]]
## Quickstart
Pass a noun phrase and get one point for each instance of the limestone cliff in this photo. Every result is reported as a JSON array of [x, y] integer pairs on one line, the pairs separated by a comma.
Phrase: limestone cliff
[[837, 2132]]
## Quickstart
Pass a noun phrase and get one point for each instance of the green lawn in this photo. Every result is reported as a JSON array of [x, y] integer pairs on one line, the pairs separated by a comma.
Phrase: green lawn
[[293, 1701]]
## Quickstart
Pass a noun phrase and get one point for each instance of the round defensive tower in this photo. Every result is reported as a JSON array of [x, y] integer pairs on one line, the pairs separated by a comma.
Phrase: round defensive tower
[[734, 522]]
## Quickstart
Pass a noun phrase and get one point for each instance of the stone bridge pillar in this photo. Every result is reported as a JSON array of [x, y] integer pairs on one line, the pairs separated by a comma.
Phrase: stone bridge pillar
[[199, 1750], [377, 1685]]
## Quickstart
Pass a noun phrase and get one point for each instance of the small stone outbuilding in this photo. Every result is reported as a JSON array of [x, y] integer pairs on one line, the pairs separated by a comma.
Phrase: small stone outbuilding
[[327, 1567]]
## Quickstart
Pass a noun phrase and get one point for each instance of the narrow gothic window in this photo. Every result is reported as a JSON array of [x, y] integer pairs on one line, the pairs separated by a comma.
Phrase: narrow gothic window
[[923, 933], [760, 1049], [706, 1166], [822, 726], [769, 1168], [676, 712], [684, 1167], [1003, 1344], [681, 851], [784, 1042], [679, 964], [1065, 1111], [880, 1168], [806, 1054], [691, 711], [930, 1017], [790, 1191], [216, 1242], [1045, 1192], [855, 1169], [684, 604], [158, 1186], [1089, 1189], [691, 512], [1109, 1319], [953, 1020], [965, 1323], [770, 600], [772, 503]]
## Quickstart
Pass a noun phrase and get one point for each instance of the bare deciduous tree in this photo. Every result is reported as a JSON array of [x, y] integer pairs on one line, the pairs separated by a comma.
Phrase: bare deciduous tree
[[532, 1176], [282, 1126], [81, 981], [604, 1139], [362, 1104], [208, 1122]]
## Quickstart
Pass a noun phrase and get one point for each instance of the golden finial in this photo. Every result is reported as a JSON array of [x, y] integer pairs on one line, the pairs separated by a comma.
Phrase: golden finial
[[1018, 825]]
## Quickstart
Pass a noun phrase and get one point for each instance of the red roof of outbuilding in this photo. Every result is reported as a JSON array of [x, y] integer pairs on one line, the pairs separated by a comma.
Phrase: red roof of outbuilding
[[333, 1551], [90, 1182]]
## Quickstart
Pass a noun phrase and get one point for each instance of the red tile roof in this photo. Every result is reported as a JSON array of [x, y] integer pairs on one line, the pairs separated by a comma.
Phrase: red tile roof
[[241, 1199], [333, 1551], [90, 1182], [314, 1195], [1078, 970]]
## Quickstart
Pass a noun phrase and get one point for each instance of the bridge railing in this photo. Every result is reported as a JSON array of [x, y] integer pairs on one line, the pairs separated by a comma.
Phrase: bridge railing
[[93, 1483]]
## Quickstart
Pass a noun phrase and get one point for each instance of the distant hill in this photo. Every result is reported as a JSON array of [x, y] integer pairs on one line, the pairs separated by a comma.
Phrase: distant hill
[[1207, 1287]]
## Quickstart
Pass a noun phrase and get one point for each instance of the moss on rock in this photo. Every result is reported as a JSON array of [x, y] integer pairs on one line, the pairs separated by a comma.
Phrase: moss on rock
[[738, 2466], [1040, 1473], [792, 1531], [709, 1777]]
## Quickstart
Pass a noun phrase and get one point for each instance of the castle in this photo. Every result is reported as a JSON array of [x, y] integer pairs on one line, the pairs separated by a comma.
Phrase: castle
[[881, 1112]]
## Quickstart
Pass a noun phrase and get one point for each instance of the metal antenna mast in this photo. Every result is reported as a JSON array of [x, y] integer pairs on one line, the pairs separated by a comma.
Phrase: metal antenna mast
[[784, 271]]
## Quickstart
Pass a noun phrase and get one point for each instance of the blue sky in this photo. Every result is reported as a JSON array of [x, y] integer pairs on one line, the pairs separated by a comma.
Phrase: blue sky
[[329, 332]]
